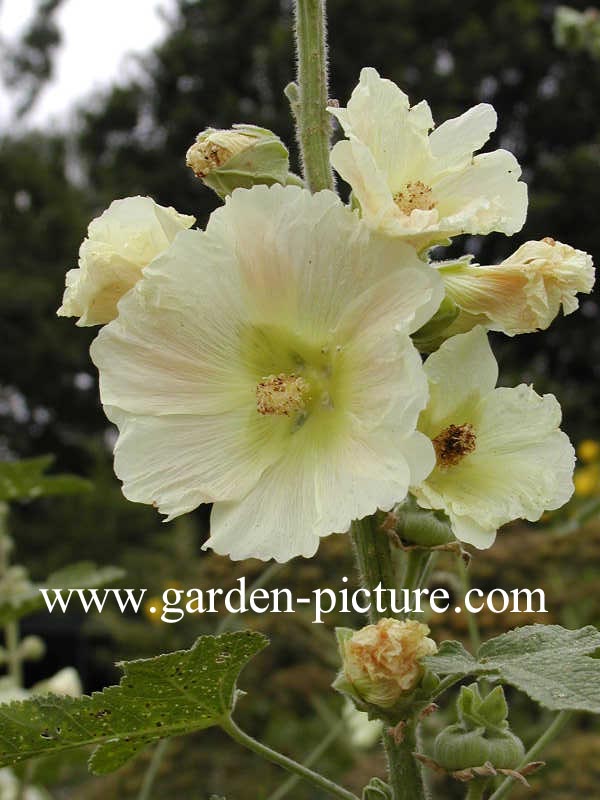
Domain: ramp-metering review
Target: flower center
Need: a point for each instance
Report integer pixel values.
(453, 444)
(282, 394)
(415, 195)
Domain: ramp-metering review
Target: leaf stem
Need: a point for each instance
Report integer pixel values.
(240, 736)
(312, 118)
(310, 759)
(549, 735)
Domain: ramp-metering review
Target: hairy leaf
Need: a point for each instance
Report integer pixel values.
(25, 480)
(551, 664)
(157, 697)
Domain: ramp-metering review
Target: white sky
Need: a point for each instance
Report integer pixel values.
(98, 37)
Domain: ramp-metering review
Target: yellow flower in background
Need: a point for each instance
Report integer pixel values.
(588, 451)
(500, 453)
(522, 294)
(587, 481)
(153, 608)
(266, 366)
(120, 243)
(425, 186)
(382, 662)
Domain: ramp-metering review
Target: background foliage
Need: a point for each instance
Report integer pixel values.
(222, 62)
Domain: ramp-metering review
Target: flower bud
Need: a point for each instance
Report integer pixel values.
(522, 294)
(577, 30)
(65, 682)
(382, 662)
(32, 648)
(120, 243)
(240, 157)
(481, 735)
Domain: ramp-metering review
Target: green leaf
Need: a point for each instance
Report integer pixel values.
(551, 664)
(27, 600)
(25, 480)
(157, 697)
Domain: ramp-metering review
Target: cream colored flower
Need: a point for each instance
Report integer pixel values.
(525, 292)
(265, 366)
(419, 185)
(500, 453)
(120, 243)
(382, 662)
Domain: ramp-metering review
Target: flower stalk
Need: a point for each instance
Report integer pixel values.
(372, 549)
(313, 121)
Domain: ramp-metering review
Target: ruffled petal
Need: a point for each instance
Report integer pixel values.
(177, 462)
(460, 373)
(455, 141)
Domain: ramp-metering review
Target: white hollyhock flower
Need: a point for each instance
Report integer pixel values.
(500, 453)
(525, 292)
(120, 243)
(265, 366)
(420, 185)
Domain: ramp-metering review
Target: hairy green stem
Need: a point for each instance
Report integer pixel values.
(319, 781)
(372, 549)
(532, 754)
(374, 559)
(312, 118)
(476, 789)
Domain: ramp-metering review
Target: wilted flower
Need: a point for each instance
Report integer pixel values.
(120, 243)
(525, 292)
(382, 662)
(265, 366)
(500, 453)
(426, 187)
(240, 157)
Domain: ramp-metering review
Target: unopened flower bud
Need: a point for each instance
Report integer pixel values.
(120, 243)
(482, 734)
(65, 682)
(522, 294)
(32, 648)
(382, 662)
(240, 157)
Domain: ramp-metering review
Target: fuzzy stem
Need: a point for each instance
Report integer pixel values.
(312, 118)
(372, 549)
(267, 753)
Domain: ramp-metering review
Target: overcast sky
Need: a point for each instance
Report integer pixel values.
(98, 36)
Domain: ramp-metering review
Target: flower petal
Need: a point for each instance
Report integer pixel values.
(460, 372)
(455, 140)
(177, 462)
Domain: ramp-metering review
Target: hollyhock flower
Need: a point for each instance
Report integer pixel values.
(382, 662)
(525, 292)
(500, 454)
(265, 366)
(425, 186)
(120, 243)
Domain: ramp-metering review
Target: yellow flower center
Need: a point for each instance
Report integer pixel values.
(415, 195)
(453, 444)
(282, 394)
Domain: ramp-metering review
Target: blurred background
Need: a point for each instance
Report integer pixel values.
(100, 100)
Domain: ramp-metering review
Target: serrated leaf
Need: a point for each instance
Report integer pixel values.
(157, 697)
(83, 575)
(551, 664)
(25, 480)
